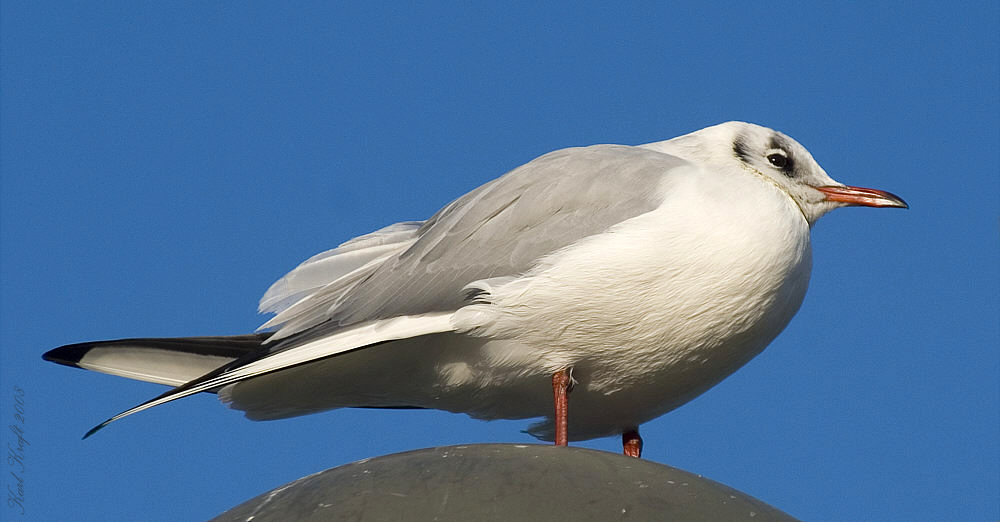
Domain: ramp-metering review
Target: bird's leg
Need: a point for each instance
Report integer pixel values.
(562, 383)
(632, 443)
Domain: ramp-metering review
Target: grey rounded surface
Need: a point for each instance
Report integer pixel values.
(503, 482)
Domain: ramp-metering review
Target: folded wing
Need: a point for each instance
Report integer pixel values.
(407, 280)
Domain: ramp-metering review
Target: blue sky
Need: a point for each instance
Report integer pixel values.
(163, 163)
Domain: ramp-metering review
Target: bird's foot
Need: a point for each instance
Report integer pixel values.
(632, 443)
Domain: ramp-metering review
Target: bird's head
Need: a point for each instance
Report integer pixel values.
(780, 160)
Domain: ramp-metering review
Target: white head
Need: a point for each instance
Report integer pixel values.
(778, 159)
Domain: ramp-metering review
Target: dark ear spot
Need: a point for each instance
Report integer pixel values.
(741, 149)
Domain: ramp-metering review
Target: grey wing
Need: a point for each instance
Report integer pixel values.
(340, 265)
(404, 280)
(499, 229)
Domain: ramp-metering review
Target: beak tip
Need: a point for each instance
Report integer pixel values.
(864, 197)
(894, 201)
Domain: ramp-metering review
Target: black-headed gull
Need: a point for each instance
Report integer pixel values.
(638, 276)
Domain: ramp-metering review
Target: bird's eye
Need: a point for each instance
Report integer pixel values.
(778, 160)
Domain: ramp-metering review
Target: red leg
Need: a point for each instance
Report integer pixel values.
(632, 443)
(560, 392)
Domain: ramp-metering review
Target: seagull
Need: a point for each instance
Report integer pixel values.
(630, 278)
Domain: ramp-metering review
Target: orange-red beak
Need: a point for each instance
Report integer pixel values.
(864, 197)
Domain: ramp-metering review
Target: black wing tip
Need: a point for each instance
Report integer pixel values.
(232, 346)
(95, 429)
(68, 355)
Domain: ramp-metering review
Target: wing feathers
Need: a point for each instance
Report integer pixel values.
(170, 361)
(499, 229)
(352, 338)
(322, 269)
